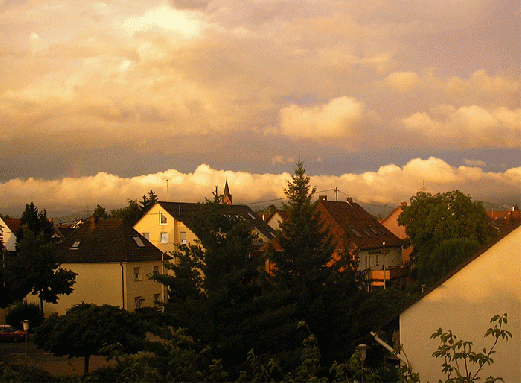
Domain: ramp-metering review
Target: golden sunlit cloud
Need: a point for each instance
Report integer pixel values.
(338, 118)
(390, 184)
(165, 18)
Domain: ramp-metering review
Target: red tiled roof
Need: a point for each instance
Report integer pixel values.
(108, 240)
(361, 228)
(13, 224)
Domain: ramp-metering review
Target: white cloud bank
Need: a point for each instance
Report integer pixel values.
(390, 184)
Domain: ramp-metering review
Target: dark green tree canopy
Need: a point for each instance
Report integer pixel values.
(36, 269)
(87, 328)
(322, 293)
(438, 224)
(35, 221)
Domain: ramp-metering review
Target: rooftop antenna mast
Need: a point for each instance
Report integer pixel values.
(336, 193)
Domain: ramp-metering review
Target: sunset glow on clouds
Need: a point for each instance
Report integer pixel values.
(118, 92)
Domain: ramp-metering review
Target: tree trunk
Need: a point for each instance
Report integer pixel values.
(41, 307)
(86, 365)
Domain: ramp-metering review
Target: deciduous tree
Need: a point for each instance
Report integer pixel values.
(443, 230)
(87, 328)
(36, 269)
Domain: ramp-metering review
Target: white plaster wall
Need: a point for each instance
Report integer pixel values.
(8, 237)
(489, 285)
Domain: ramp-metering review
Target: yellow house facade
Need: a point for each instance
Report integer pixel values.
(162, 225)
(113, 263)
(168, 224)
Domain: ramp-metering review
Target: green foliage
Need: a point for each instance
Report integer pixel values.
(129, 214)
(23, 373)
(36, 222)
(86, 329)
(459, 357)
(435, 223)
(100, 212)
(213, 294)
(36, 269)
(134, 210)
(24, 311)
(326, 295)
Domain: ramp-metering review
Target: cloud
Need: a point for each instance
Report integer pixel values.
(403, 81)
(338, 118)
(468, 127)
(390, 184)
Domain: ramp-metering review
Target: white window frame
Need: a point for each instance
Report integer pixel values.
(181, 235)
(163, 237)
(161, 216)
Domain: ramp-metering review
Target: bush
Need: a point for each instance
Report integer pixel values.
(23, 311)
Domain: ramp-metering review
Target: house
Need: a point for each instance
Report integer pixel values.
(504, 221)
(169, 224)
(487, 284)
(358, 234)
(276, 218)
(391, 223)
(10, 227)
(113, 263)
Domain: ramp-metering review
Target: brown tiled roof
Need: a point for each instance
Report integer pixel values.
(109, 241)
(362, 229)
(13, 224)
(186, 213)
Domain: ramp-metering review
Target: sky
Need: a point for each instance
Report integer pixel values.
(103, 101)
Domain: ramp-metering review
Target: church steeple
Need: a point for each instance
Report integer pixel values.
(227, 198)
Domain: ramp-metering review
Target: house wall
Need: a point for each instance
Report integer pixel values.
(8, 237)
(101, 283)
(152, 225)
(142, 287)
(377, 259)
(489, 285)
(391, 224)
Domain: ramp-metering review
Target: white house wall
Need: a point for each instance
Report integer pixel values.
(489, 285)
(8, 237)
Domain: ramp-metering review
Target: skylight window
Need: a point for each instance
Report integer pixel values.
(139, 242)
(356, 233)
(75, 245)
(251, 215)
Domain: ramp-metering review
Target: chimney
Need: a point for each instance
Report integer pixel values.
(322, 198)
(349, 200)
(92, 223)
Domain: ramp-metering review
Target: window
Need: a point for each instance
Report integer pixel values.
(147, 236)
(139, 242)
(183, 237)
(75, 245)
(137, 273)
(138, 302)
(356, 233)
(157, 299)
(163, 219)
(164, 237)
(156, 269)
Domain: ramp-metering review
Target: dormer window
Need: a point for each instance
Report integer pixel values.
(139, 242)
(163, 219)
(75, 245)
